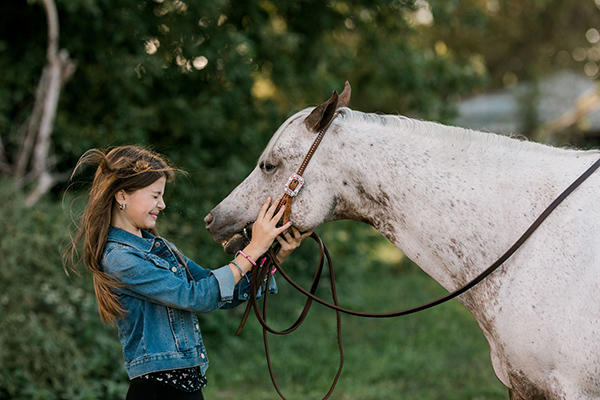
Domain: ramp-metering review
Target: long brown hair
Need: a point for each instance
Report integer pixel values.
(127, 168)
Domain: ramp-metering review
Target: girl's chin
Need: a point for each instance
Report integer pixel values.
(149, 225)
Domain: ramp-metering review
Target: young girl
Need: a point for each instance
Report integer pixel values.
(145, 285)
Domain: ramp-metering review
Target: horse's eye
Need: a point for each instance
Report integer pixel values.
(267, 167)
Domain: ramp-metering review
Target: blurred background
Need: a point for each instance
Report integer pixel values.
(207, 82)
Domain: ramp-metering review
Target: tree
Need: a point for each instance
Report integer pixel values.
(201, 79)
(33, 160)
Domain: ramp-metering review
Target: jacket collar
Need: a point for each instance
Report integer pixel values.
(121, 236)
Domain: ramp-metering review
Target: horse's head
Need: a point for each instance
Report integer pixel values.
(314, 205)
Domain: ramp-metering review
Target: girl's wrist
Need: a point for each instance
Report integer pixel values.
(252, 252)
(240, 270)
(251, 260)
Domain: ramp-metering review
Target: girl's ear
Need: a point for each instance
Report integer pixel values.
(120, 196)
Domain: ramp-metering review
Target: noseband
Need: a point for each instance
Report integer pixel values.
(261, 273)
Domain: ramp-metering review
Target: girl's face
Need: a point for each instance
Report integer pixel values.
(141, 207)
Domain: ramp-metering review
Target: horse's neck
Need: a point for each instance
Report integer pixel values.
(450, 202)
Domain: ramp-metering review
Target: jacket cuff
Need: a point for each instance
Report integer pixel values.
(226, 282)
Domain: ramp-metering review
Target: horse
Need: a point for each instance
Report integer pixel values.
(453, 200)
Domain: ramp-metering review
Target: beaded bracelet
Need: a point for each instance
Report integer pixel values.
(239, 269)
(246, 256)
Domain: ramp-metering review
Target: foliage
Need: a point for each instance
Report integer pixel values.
(53, 344)
(514, 40)
(208, 82)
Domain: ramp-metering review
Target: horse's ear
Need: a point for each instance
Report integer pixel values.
(321, 116)
(345, 96)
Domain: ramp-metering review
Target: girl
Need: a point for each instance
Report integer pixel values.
(145, 285)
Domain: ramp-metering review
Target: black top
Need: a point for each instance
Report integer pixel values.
(185, 379)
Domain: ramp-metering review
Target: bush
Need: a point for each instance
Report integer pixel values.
(53, 343)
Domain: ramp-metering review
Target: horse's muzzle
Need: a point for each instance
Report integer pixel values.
(233, 243)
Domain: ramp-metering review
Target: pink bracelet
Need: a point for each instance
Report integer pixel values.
(247, 257)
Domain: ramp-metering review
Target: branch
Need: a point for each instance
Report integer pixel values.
(31, 130)
(45, 182)
(58, 70)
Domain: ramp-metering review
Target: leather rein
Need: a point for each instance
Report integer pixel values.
(261, 273)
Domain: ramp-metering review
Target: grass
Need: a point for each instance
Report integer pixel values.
(436, 354)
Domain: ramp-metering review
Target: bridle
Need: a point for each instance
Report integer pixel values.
(261, 273)
(296, 181)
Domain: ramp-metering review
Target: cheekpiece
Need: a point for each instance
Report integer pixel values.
(299, 183)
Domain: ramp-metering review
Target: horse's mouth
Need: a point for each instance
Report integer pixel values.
(234, 244)
(238, 241)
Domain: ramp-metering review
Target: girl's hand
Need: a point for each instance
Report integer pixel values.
(289, 241)
(265, 228)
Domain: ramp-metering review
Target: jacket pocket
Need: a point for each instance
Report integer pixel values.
(157, 261)
(185, 329)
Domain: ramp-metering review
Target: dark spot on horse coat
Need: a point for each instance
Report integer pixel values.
(456, 249)
(524, 389)
(380, 199)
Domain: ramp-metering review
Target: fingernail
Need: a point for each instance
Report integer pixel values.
(290, 222)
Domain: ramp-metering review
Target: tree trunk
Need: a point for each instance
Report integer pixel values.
(35, 151)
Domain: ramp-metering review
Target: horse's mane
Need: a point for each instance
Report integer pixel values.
(426, 131)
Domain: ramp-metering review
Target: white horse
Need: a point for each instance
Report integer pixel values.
(453, 200)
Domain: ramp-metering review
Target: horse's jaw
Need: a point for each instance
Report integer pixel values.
(234, 244)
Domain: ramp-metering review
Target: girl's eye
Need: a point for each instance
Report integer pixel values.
(267, 167)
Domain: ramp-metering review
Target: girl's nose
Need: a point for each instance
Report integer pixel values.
(161, 205)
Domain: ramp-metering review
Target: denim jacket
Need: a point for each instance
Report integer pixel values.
(160, 330)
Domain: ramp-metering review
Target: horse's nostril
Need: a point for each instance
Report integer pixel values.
(208, 219)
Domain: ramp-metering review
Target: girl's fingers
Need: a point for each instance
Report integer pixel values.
(282, 241)
(264, 208)
(283, 228)
(296, 236)
(280, 213)
(295, 233)
(271, 209)
(306, 234)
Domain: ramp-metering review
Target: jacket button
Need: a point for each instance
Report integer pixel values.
(156, 244)
(196, 327)
(174, 269)
(202, 355)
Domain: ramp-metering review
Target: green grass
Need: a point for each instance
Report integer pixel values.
(436, 354)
